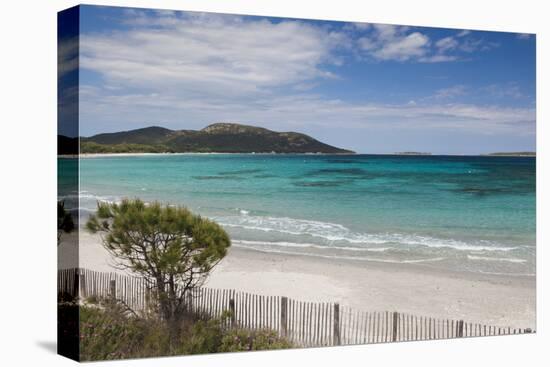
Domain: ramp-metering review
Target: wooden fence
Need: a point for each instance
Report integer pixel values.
(303, 323)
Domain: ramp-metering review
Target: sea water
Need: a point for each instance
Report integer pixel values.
(472, 214)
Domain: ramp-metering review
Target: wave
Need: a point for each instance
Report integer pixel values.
(361, 258)
(269, 246)
(256, 230)
(484, 258)
(334, 233)
(307, 245)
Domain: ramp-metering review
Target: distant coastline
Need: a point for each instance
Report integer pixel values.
(167, 154)
(216, 138)
(512, 154)
(413, 153)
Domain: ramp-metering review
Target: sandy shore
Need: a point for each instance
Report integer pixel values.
(506, 301)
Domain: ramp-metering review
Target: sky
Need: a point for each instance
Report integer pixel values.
(372, 88)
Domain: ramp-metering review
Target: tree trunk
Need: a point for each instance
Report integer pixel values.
(170, 316)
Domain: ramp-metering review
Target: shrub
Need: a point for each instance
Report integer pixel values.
(204, 336)
(238, 340)
(109, 331)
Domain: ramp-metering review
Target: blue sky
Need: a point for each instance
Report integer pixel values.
(368, 87)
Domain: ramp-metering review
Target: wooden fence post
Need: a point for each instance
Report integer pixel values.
(83, 283)
(336, 324)
(395, 321)
(232, 310)
(284, 307)
(460, 329)
(75, 282)
(112, 288)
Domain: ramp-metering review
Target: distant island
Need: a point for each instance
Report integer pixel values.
(412, 153)
(215, 138)
(513, 154)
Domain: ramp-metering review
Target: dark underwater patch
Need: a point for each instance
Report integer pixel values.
(240, 172)
(333, 183)
(238, 178)
(480, 191)
(345, 161)
(342, 171)
(353, 172)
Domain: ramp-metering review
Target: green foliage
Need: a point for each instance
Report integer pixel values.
(160, 239)
(108, 332)
(89, 147)
(169, 246)
(239, 340)
(204, 336)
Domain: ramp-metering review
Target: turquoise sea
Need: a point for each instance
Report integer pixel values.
(460, 213)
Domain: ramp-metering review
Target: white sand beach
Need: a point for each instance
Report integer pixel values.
(499, 300)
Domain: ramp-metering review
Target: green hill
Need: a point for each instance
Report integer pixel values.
(215, 138)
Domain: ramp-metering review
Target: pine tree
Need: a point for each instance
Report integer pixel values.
(172, 248)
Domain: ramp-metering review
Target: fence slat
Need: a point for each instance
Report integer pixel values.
(303, 323)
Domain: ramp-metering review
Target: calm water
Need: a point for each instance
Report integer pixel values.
(461, 213)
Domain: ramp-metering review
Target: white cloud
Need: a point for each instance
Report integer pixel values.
(523, 36)
(404, 48)
(399, 43)
(187, 72)
(367, 44)
(472, 44)
(67, 55)
(437, 58)
(219, 54)
(504, 90)
(451, 92)
(446, 44)
(299, 111)
(389, 32)
(463, 33)
(390, 42)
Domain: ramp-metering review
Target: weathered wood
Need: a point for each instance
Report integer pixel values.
(263, 311)
(364, 334)
(303, 323)
(232, 311)
(460, 332)
(289, 319)
(394, 324)
(271, 307)
(284, 315)
(311, 328)
(376, 327)
(112, 289)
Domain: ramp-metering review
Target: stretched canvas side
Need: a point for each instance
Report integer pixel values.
(68, 330)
